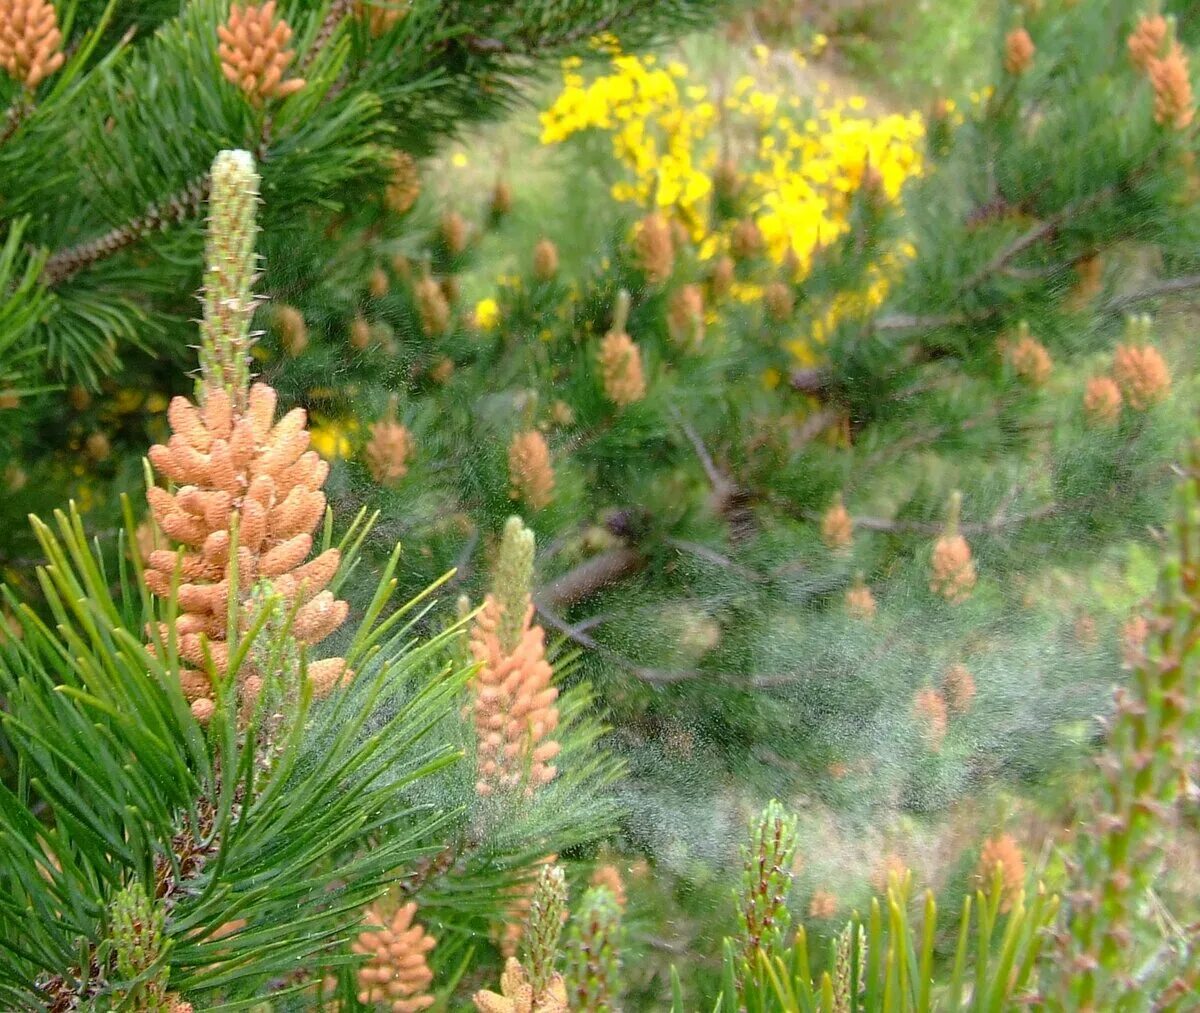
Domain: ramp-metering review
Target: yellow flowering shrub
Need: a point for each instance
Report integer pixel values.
(799, 163)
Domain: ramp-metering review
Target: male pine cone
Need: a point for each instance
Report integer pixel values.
(228, 463)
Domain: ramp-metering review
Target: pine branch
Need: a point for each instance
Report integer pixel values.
(587, 578)
(1169, 286)
(66, 263)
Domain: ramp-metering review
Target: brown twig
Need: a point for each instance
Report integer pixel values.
(1169, 286)
(70, 261)
(589, 577)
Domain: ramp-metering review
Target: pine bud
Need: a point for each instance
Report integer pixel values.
(1003, 851)
(502, 199)
(98, 447)
(747, 241)
(930, 711)
(230, 270)
(79, 398)
(293, 332)
(621, 360)
(547, 911)
(360, 333)
(763, 915)
(1018, 51)
(654, 249)
(397, 973)
(378, 283)
(15, 478)
(1146, 41)
(1141, 374)
(388, 450)
(860, 602)
(455, 232)
(30, 41)
(530, 473)
(9, 399)
(953, 570)
(958, 688)
(1030, 360)
(1171, 80)
(545, 260)
(1102, 401)
(823, 905)
(136, 933)
(594, 954)
(780, 301)
(837, 526)
(405, 185)
(721, 278)
(254, 54)
(432, 306)
(685, 318)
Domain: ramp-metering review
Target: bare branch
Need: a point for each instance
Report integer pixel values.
(1169, 286)
(589, 577)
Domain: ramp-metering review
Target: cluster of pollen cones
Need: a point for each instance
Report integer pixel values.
(226, 462)
(397, 973)
(515, 708)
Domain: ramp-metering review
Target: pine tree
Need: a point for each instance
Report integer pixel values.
(202, 810)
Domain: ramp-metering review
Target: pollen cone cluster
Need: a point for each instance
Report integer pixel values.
(1003, 851)
(397, 973)
(860, 602)
(545, 260)
(432, 306)
(405, 186)
(1102, 401)
(953, 569)
(515, 712)
(621, 361)
(388, 450)
(226, 463)
(654, 248)
(516, 994)
(1018, 51)
(746, 242)
(958, 688)
(1171, 81)
(1141, 374)
(685, 318)
(293, 331)
(530, 473)
(254, 54)
(30, 40)
(824, 904)
(837, 526)
(1146, 41)
(1029, 358)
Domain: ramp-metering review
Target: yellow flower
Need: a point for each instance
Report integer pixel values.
(458, 160)
(487, 313)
